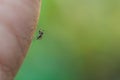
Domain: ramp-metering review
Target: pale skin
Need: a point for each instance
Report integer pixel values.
(18, 19)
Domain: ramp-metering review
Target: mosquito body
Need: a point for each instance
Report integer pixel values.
(40, 35)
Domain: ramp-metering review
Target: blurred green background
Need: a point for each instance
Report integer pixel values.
(81, 42)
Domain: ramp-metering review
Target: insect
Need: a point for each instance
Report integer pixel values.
(40, 35)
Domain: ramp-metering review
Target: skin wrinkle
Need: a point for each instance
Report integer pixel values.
(22, 27)
(29, 32)
(3, 65)
(7, 69)
(24, 37)
(26, 40)
(13, 32)
(17, 61)
(19, 58)
(17, 38)
(22, 16)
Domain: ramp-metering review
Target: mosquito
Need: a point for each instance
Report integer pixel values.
(40, 34)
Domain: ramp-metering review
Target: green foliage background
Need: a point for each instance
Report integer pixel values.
(81, 42)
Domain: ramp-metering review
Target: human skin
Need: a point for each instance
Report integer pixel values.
(18, 19)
